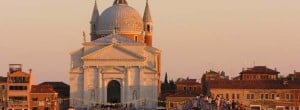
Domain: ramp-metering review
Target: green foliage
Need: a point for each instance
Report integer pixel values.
(206, 90)
(168, 85)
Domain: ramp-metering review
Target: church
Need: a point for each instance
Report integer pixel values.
(118, 65)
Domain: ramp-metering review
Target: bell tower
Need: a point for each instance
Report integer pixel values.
(94, 22)
(148, 25)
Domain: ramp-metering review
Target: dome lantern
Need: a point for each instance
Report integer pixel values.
(120, 2)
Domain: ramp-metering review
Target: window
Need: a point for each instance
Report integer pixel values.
(17, 87)
(46, 108)
(34, 99)
(184, 88)
(148, 28)
(47, 99)
(248, 96)
(190, 88)
(136, 38)
(20, 98)
(290, 96)
(233, 96)
(20, 79)
(267, 96)
(227, 96)
(237, 96)
(261, 96)
(273, 96)
(3, 87)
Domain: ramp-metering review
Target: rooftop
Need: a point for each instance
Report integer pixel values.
(253, 84)
(188, 82)
(42, 89)
(259, 70)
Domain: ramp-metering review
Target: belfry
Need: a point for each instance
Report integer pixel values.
(118, 65)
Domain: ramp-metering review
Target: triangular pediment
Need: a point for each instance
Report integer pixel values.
(113, 70)
(150, 70)
(113, 52)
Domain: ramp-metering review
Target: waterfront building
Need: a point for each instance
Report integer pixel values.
(43, 97)
(18, 88)
(258, 94)
(119, 64)
(259, 73)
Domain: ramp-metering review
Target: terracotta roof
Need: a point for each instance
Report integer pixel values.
(55, 84)
(19, 73)
(42, 89)
(3, 79)
(211, 72)
(188, 82)
(259, 70)
(251, 84)
(61, 88)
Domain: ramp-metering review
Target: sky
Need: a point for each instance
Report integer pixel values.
(195, 35)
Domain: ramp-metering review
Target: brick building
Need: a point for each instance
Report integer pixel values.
(259, 94)
(3, 91)
(63, 91)
(18, 93)
(186, 91)
(18, 88)
(43, 97)
(259, 73)
(213, 75)
(295, 76)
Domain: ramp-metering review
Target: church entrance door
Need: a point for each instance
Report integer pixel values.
(114, 92)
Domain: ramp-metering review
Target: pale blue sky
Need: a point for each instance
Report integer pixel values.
(194, 35)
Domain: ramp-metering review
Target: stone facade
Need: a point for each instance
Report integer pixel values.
(117, 65)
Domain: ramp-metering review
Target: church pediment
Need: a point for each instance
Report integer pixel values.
(150, 70)
(113, 52)
(113, 70)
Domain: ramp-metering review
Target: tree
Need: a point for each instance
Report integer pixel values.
(172, 85)
(206, 89)
(166, 78)
(165, 85)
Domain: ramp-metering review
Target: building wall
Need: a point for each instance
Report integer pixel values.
(266, 98)
(3, 95)
(18, 103)
(195, 88)
(135, 84)
(44, 101)
(259, 77)
(177, 103)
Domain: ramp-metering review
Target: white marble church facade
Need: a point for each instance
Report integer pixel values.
(115, 67)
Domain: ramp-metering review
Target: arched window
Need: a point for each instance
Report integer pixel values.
(148, 28)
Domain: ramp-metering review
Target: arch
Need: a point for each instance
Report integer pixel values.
(114, 92)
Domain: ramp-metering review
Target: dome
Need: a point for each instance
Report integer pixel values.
(121, 16)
